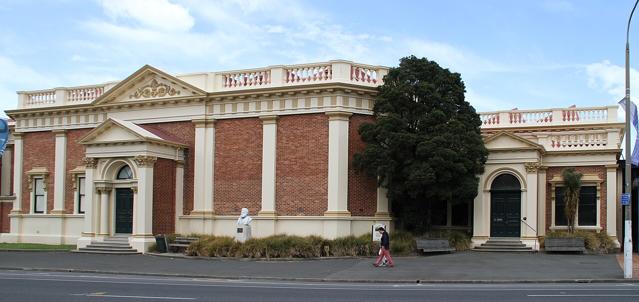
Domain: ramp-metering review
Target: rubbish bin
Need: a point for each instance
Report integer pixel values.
(160, 243)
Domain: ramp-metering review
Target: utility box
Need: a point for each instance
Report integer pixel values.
(242, 232)
(375, 234)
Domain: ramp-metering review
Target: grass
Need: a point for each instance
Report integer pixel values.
(35, 246)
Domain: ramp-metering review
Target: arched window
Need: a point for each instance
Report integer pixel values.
(125, 173)
(505, 182)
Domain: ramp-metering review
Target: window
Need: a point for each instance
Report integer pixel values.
(587, 209)
(38, 195)
(125, 173)
(81, 195)
(460, 214)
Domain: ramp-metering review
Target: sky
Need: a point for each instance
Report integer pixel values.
(524, 54)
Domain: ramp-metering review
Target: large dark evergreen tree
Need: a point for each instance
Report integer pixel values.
(426, 143)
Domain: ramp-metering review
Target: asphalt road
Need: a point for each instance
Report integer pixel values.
(50, 286)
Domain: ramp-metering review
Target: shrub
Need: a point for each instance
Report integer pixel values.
(594, 242)
(457, 239)
(285, 246)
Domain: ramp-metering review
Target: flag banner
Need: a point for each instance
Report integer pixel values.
(634, 159)
(4, 135)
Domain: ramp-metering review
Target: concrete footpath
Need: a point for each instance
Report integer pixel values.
(466, 267)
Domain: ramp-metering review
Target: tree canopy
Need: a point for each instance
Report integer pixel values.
(425, 143)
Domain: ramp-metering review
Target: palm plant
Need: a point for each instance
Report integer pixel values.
(572, 184)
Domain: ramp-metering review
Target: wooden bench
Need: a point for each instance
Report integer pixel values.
(564, 245)
(181, 243)
(433, 245)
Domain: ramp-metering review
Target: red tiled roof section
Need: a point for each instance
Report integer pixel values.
(164, 135)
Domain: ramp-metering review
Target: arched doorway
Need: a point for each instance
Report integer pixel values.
(124, 203)
(505, 206)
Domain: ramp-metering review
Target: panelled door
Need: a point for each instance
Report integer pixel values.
(505, 207)
(123, 211)
(505, 214)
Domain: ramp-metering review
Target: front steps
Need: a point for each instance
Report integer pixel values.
(116, 245)
(503, 245)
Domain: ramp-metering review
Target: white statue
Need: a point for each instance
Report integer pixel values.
(244, 219)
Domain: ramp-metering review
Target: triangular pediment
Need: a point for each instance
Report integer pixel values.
(148, 83)
(114, 131)
(508, 141)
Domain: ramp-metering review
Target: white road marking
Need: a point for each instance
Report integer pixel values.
(291, 285)
(583, 295)
(131, 297)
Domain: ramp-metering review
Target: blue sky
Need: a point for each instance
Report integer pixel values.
(525, 54)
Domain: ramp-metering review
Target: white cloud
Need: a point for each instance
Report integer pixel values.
(605, 76)
(158, 14)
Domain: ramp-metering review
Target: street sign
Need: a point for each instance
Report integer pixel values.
(625, 199)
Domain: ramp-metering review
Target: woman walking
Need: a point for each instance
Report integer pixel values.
(384, 249)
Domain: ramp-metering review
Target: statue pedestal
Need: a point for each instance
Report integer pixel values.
(242, 232)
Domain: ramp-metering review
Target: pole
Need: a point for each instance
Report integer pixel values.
(627, 243)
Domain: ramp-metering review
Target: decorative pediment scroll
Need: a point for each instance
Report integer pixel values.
(154, 90)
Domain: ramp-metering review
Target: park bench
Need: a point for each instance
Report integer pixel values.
(564, 245)
(433, 245)
(181, 243)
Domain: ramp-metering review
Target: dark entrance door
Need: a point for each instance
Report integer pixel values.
(505, 207)
(123, 211)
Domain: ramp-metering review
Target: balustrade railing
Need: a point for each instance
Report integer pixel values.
(40, 98)
(558, 116)
(247, 79)
(309, 74)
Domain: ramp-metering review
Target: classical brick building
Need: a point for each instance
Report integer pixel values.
(157, 153)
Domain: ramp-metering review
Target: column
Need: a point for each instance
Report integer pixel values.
(17, 174)
(611, 202)
(338, 163)
(143, 204)
(60, 171)
(269, 152)
(104, 193)
(6, 172)
(90, 208)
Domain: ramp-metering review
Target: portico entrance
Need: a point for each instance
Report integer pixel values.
(505, 207)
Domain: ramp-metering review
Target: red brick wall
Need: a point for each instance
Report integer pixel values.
(164, 196)
(39, 151)
(600, 171)
(302, 165)
(5, 209)
(238, 166)
(184, 132)
(362, 189)
(75, 156)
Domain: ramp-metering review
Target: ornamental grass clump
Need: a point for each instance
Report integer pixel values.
(572, 183)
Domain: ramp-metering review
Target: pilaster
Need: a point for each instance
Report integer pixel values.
(611, 202)
(269, 151)
(529, 228)
(6, 172)
(204, 167)
(142, 236)
(90, 208)
(338, 163)
(60, 171)
(17, 172)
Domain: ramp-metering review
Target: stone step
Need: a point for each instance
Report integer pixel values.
(491, 242)
(102, 243)
(503, 245)
(528, 250)
(83, 250)
(117, 239)
(108, 248)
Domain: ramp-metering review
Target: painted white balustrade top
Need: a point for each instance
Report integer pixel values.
(549, 117)
(260, 78)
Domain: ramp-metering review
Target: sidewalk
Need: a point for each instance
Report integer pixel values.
(635, 264)
(456, 267)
